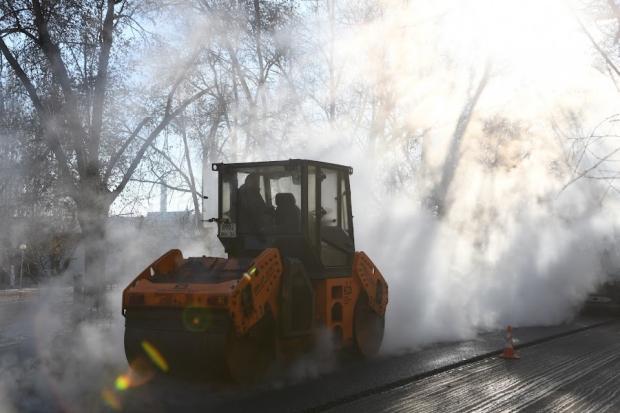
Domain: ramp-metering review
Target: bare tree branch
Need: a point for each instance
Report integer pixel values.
(162, 183)
(153, 135)
(52, 52)
(51, 137)
(116, 156)
(598, 48)
(101, 83)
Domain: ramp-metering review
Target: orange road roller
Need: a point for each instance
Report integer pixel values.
(292, 270)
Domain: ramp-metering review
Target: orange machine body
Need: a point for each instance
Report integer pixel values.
(335, 298)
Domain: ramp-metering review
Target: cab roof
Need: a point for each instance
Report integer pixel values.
(285, 163)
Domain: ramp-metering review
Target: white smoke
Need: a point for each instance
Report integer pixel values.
(516, 245)
(514, 248)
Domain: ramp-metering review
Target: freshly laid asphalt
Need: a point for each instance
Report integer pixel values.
(359, 380)
(576, 373)
(312, 387)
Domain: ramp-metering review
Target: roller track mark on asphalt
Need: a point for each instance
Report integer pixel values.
(536, 387)
(576, 398)
(612, 397)
(449, 381)
(476, 377)
(604, 403)
(351, 397)
(562, 367)
(535, 383)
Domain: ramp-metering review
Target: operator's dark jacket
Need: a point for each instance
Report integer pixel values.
(252, 208)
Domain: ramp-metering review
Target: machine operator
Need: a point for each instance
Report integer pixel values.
(254, 212)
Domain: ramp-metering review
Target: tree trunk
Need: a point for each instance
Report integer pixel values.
(438, 201)
(93, 209)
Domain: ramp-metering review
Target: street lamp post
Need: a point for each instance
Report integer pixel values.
(21, 270)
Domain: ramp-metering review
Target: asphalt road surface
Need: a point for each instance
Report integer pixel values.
(46, 367)
(574, 373)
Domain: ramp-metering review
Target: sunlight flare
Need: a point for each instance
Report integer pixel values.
(155, 356)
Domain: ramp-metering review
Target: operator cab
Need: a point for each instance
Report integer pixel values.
(301, 207)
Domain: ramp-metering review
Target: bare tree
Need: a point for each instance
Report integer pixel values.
(593, 155)
(67, 55)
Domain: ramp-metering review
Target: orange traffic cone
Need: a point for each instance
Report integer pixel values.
(509, 350)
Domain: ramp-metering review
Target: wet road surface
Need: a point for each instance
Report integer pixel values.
(577, 373)
(46, 373)
(359, 380)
